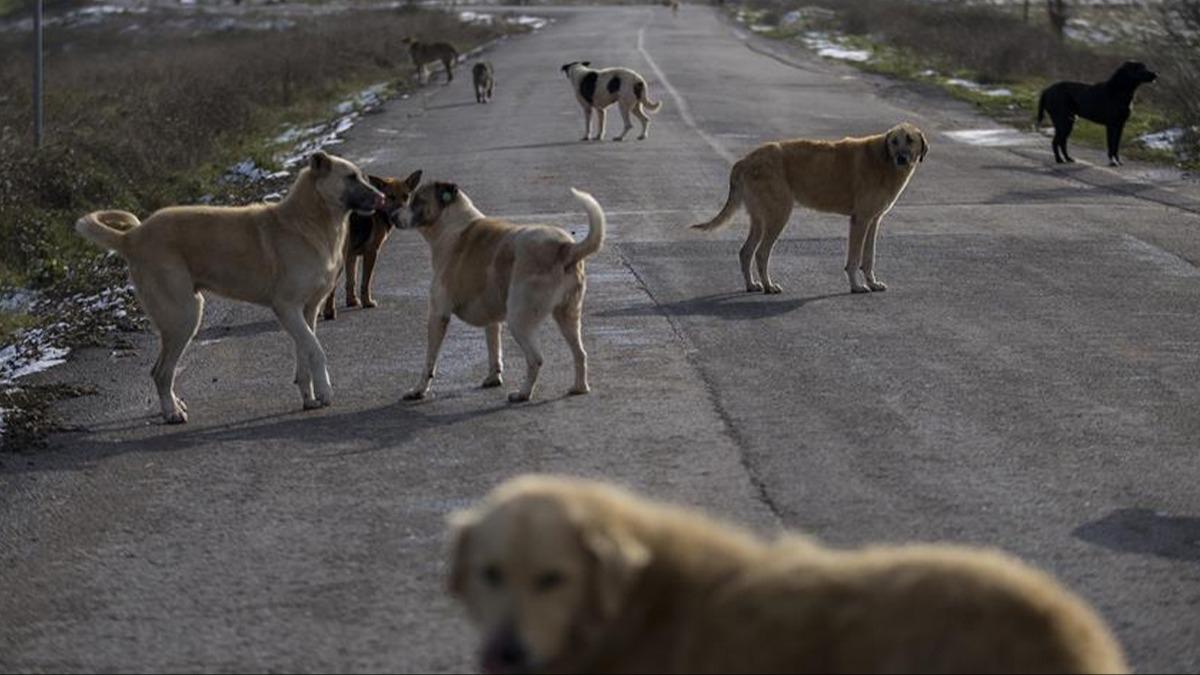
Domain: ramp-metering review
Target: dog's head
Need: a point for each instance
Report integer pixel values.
(541, 572)
(1132, 74)
(342, 185)
(905, 145)
(426, 206)
(568, 67)
(396, 192)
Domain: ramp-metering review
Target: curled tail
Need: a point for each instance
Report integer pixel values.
(732, 202)
(1041, 108)
(639, 90)
(595, 236)
(97, 227)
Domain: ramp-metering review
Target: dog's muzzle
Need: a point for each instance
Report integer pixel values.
(400, 218)
(903, 160)
(504, 653)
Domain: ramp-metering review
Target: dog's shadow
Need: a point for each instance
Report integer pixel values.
(734, 306)
(1145, 532)
(535, 146)
(447, 106)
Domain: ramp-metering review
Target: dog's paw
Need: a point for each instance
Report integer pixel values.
(878, 286)
(369, 303)
(754, 288)
(492, 382)
(329, 316)
(518, 397)
(352, 302)
(585, 139)
(579, 391)
(772, 289)
(415, 395)
(177, 417)
(643, 137)
(859, 289)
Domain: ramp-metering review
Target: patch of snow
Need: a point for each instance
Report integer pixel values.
(1163, 140)
(533, 22)
(993, 138)
(248, 171)
(828, 46)
(17, 300)
(761, 28)
(928, 72)
(975, 86)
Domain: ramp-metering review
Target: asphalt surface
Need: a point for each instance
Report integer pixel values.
(1029, 381)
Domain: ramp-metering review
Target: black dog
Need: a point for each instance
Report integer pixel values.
(1108, 103)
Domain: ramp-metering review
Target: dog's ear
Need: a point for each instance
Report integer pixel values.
(320, 162)
(567, 66)
(413, 180)
(377, 182)
(447, 193)
(461, 525)
(924, 146)
(618, 559)
(586, 64)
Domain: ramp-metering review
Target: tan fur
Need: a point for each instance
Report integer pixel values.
(572, 576)
(284, 256)
(856, 177)
(425, 53)
(626, 97)
(484, 80)
(487, 271)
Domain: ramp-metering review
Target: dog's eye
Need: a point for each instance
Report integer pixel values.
(548, 581)
(895, 141)
(492, 576)
(908, 138)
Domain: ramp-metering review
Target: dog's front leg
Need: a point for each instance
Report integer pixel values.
(351, 267)
(312, 375)
(854, 253)
(1114, 143)
(868, 260)
(436, 333)
(495, 356)
(587, 122)
(601, 123)
(369, 259)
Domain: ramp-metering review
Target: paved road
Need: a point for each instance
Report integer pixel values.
(1029, 381)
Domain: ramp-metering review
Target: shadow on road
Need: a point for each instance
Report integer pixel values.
(737, 306)
(239, 330)
(1146, 532)
(533, 146)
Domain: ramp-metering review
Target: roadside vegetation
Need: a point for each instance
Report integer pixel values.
(1000, 56)
(146, 110)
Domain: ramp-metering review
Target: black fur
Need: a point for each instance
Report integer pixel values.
(587, 87)
(614, 85)
(639, 90)
(361, 228)
(1108, 103)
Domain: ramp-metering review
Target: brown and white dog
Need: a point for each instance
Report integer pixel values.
(284, 256)
(488, 271)
(857, 177)
(365, 239)
(571, 576)
(598, 89)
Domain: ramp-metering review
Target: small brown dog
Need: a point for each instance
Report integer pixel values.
(365, 238)
(572, 576)
(857, 177)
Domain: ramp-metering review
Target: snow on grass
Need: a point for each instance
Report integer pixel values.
(831, 47)
(1168, 139)
(975, 86)
(992, 138)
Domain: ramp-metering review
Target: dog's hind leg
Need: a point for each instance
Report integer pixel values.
(1062, 131)
(436, 332)
(567, 317)
(1114, 143)
(175, 308)
(524, 316)
(587, 122)
(746, 255)
(311, 371)
(495, 376)
(625, 119)
(641, 115)
(854, 252)
(868, 261)
(772, 225)
(351, 267)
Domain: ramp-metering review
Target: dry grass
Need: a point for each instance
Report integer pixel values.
(142, 119)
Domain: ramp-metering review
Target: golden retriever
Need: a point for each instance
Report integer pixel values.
(857, 177)
(572, 576)
(285, 256)
(487, 271)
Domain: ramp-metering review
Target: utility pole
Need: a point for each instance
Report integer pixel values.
(38, 108)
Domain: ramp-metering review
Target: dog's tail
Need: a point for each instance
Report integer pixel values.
(98, 227)
(732, 202)
(639, 90)
(1041, 108)
(596, 224)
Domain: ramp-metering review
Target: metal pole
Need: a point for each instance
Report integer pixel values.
(38, 108)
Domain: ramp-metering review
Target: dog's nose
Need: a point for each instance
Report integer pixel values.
(902, 160)
(380, 201)
(505, 653)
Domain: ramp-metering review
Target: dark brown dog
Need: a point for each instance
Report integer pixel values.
(365, 238)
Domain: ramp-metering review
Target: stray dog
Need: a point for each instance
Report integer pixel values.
(365, 239)
(425, 53)
(1109, 103)
(598, 89)
(485, 81)
(857, 177)
(572, 576)
(487, 271)
(284, 256)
